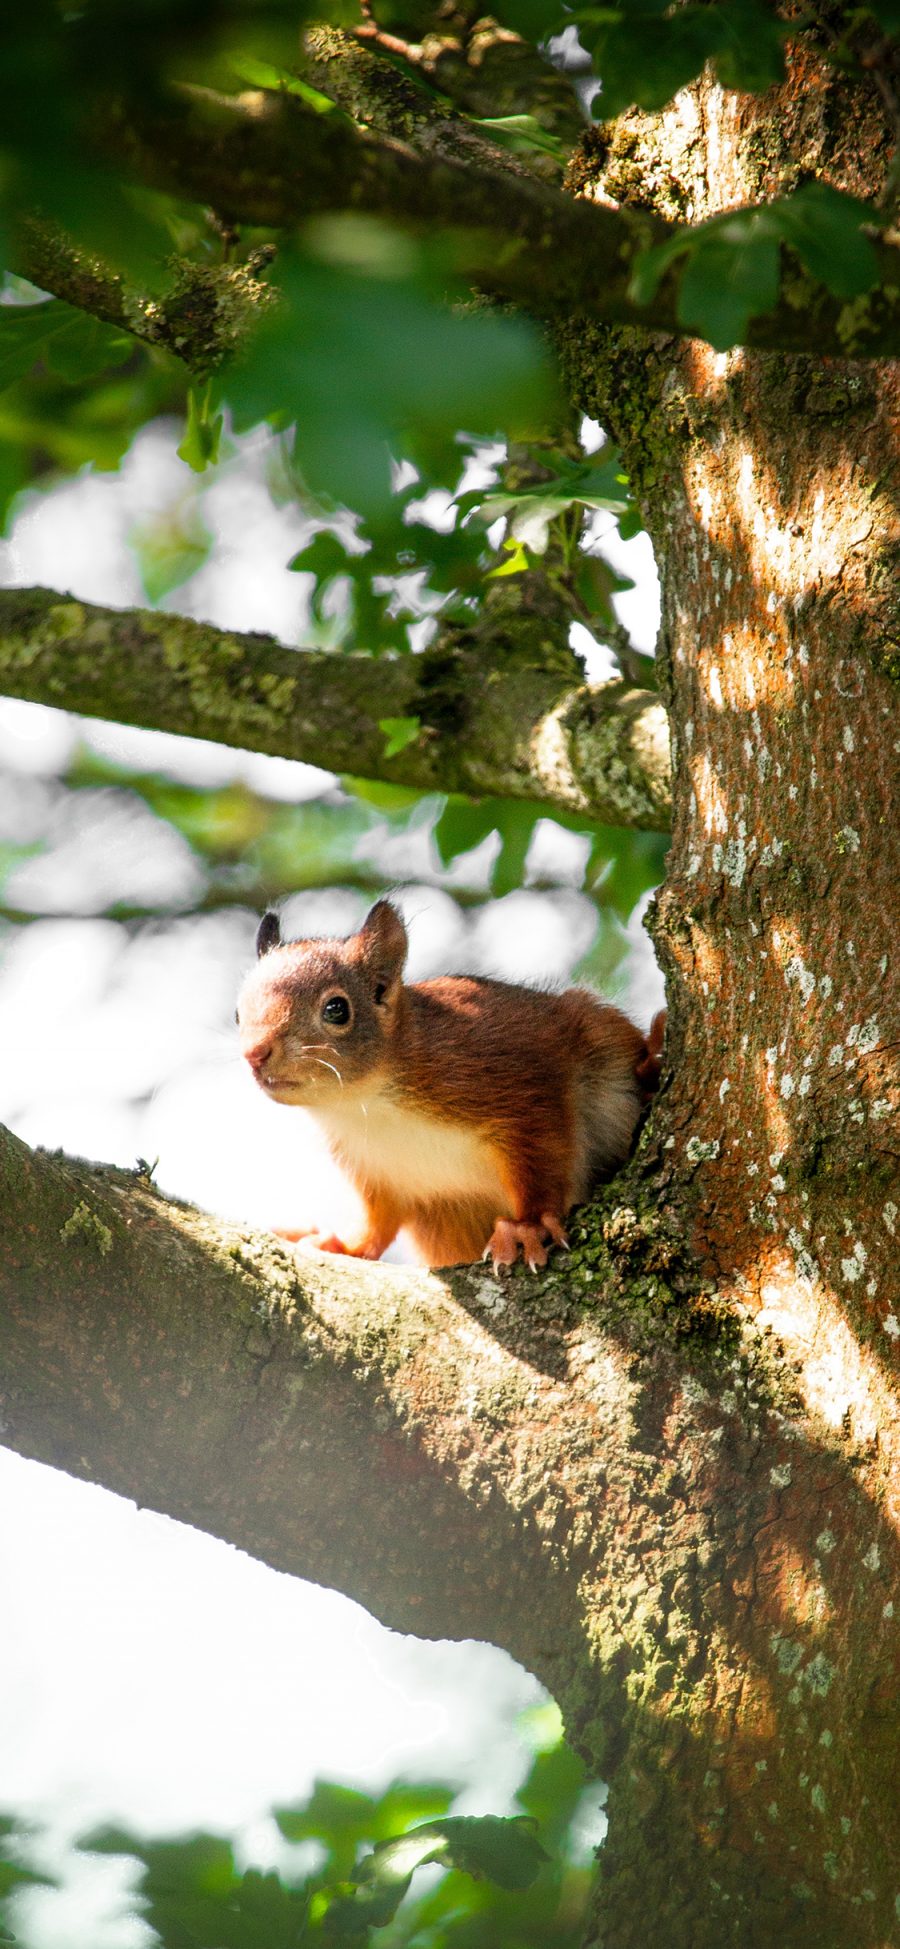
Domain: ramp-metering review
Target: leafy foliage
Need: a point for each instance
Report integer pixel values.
(170, 547)
(71, 344)
(362, 362)
(376, 583)
(732, 263)
(73, 391)
(64, 67)
(252, 850)
(645, 50)
(368, 357)
(383, 375)
(194, 1893)
(398, 733)
(564, 483)
(203, 434)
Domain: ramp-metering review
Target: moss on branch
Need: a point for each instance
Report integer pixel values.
(381, 96)
(201, 319)
(522, 730)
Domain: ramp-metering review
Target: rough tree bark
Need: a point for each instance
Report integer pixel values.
(667, 1473)
(770, 486)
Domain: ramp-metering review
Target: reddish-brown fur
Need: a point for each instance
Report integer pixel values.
(470, 1113)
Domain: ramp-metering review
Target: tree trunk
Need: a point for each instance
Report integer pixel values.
(737, 1812)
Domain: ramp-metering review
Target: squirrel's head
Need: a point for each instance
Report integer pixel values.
(316, 1017)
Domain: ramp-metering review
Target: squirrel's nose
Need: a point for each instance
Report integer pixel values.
(257, 1053)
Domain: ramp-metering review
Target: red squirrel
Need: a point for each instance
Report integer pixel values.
(471, 1114)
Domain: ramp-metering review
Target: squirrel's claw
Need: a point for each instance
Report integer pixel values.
(552, 1225)
(508, 1235)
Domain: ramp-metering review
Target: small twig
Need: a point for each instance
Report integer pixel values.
(392, 44)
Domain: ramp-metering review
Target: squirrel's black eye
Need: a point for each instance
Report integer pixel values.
(336, 1009)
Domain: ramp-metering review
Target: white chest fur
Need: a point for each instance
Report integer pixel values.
(379, 1141)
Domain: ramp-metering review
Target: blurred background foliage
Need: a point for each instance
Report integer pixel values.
(250, 850)
(345, 1870)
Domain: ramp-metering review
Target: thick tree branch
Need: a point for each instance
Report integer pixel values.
(502, 1462)
(270, 160)
(207, 1372)
(518, 731)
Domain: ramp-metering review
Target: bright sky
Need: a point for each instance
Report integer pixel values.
(147, 1672)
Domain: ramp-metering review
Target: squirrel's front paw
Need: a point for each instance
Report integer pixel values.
(503, 1245)
(310, 1240)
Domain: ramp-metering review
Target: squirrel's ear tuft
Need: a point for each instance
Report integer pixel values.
(268, 933)
(383, 944)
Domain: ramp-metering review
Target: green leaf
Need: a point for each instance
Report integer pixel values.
(330, 1810)
(643, 61)
(823, 226)
(599, 484)
(14, 473)
(365, 365)
(631, 524)
(515, 822)
(535, 20)
(749, 45)
(727, 281)
(624, 865)
(261, 74)
(596, 583)
(553, 1788)
(645, 52)
(520, 132)
(517, 560)
(733, 272)
(395, 801)
(506, 1852)
(324, 557)
(170, 547)
(462, 826)
(70, 343)
(465, 823)
(200, 446)
(888, 13)
(13, 1876)
(85, 346)
(398, 733)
